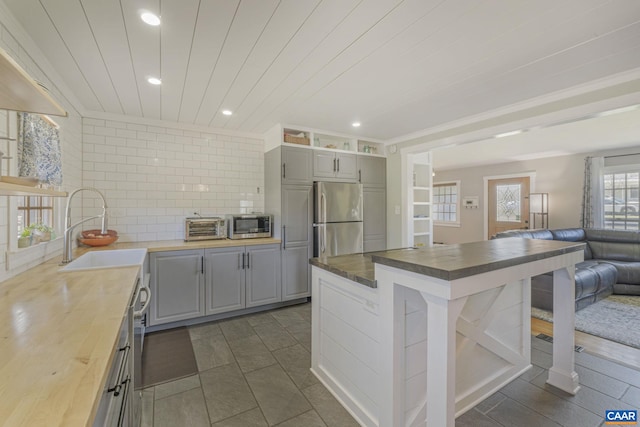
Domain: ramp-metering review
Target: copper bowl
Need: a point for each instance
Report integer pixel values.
(96, 238)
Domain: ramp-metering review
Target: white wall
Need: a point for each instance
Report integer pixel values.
(155, 176)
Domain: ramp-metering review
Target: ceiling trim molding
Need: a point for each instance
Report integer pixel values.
(575, 102)
(172, 125)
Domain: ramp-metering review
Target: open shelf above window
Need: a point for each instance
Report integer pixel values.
(7, 189)
(19, 92)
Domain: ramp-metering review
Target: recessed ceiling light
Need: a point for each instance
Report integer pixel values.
(150, 18)
(514, 132)
(227, 112)
(355, 124)
(154, 80)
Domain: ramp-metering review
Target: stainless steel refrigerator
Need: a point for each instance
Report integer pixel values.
(337, 217)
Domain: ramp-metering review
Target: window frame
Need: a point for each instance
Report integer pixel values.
(620, 169)
(444, 223)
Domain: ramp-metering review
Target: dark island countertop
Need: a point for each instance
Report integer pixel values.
(447, 262)
(356, 267)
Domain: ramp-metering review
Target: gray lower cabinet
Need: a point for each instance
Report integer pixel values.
(224, 279)
(295, 271)
(193, 283)
(374, 219)
(262, 275)
(177, 286)
(241, 277)
(297, 243)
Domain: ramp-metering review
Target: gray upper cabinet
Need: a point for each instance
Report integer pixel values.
(224, 280)
(324, 164)
(372, 171)
(328, 165)
(297, 165)
(177, 286)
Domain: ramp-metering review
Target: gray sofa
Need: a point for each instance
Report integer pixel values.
(611, 264)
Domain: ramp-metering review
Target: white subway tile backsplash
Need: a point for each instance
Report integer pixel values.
(126, 133)
(136, 127)
(157, 176)
(92, 139)
(115, 124)
(92, 122)
(99, 130)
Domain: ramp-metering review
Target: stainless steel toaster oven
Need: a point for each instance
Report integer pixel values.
(205, 228)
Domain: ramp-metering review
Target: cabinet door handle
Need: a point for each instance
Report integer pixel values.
(284, 170)
(360, 175)
(243, 261)
(202, 266)
(338, 165)
(121, 371)
(248, 265)
(334, 165)
(284, 237)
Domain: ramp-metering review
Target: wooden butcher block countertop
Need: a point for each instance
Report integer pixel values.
(58, 333)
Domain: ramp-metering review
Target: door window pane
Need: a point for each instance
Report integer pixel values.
(508, 203)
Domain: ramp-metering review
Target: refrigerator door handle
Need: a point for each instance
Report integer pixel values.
(323, 208)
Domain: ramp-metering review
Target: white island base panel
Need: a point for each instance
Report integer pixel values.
(370, 346)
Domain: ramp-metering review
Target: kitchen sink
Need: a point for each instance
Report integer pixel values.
(107, 259)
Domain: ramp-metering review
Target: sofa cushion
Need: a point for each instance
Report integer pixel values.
(594, 281)
(628, 272)
(573, 235)
(525, 234)
(619, 245)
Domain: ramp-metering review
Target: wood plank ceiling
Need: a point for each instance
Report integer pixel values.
(397, 66)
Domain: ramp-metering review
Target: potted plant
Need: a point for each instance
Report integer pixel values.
(24, 240)
(41, 232)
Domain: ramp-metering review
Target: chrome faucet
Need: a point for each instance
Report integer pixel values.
(67, 254)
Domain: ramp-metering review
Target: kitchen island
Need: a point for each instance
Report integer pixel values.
(419, 336)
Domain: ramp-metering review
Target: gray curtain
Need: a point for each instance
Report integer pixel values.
(39, 153)
(586, 216)
(592, 215)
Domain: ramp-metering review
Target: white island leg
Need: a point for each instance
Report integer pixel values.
(442, 316)
(562, 374)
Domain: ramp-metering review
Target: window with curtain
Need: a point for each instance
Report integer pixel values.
(446, 203)
(39, 156)
(39, 153)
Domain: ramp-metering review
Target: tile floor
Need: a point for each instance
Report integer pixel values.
(254, 371)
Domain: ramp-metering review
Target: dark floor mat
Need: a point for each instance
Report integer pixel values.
(168, 355)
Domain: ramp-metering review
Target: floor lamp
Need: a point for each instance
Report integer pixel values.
(539, 206)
